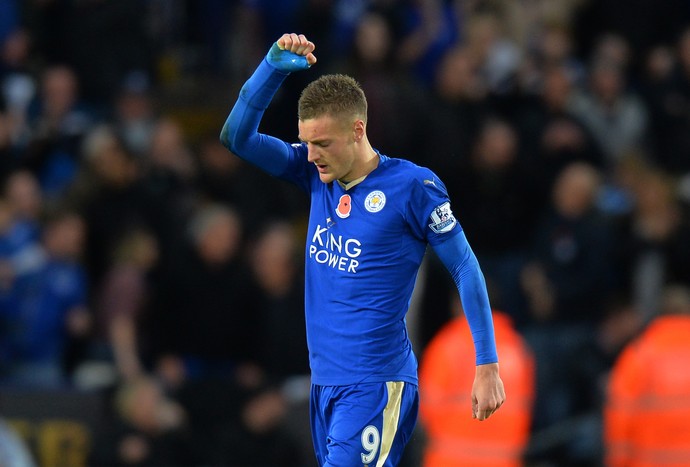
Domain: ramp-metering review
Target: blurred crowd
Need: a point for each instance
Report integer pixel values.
(140, 258)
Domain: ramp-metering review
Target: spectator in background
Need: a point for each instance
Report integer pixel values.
(551, 136)
(135, 116)
(7, 278)
(6, 222)
(21, 253)
(169, 152)
(58, 120)
(19, 242)
(7, 159)
(273, 419)
(208, 327)
(17, 84)
(616, 118)
(648, 394)
(147, 428)
(431, 28)
(659, 68)
(453, 440)
(566, 283)
(570, 275)
(497, 55)
(227, 179)
(109, 194)
(552, 47)
(659, 64)
(669, 101)
(613, 49)
(117, 190)
(48, 307)
(653, 247)
(500, 207)
(458, 106)
(206, 322)
(525, 20)
(123, 305)
(277, 271)
(167, 183)
(24, 194)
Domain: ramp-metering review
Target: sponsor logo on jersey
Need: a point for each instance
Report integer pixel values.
(442, 219)
(375, 201)
(335, 251)
(344, 206)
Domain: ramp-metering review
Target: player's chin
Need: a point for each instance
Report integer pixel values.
(326, 177)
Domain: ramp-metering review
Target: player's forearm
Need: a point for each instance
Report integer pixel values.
(461, 262)
(475, 303)
(240, 131)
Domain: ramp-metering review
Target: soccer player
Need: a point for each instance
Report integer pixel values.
(371, 219)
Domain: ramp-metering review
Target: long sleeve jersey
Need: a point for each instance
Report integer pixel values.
(364, 247)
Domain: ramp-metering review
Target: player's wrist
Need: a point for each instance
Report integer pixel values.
(285, 61)
(487, 368)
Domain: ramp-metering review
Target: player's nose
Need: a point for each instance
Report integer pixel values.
(312, 154)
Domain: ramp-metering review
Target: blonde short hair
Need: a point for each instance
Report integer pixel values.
(339, 96)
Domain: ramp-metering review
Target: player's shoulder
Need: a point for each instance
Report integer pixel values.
(410, 171)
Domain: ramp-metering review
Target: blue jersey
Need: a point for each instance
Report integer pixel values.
(36, 310)
(364, 248)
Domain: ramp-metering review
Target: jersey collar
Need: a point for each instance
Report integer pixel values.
(357, 181)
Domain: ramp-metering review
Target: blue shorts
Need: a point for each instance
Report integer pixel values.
(363, 424)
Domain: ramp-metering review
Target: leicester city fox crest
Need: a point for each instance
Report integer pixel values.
(375, 201)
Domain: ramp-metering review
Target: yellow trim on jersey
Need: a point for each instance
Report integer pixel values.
(348, 185)
(391, 418)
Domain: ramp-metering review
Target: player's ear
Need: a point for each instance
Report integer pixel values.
(358, 129)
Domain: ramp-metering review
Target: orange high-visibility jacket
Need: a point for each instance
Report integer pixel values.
(446, 375)
(647, 411)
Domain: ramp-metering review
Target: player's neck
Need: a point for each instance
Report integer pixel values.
(366, 163)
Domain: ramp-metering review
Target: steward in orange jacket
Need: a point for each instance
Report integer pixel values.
(454, 437)
(647, 411)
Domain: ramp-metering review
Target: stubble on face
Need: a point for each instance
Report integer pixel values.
(329, 145)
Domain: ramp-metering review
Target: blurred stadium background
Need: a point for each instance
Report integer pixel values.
(151, 282)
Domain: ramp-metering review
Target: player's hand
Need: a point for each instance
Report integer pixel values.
(488, 393)
(292, 52)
